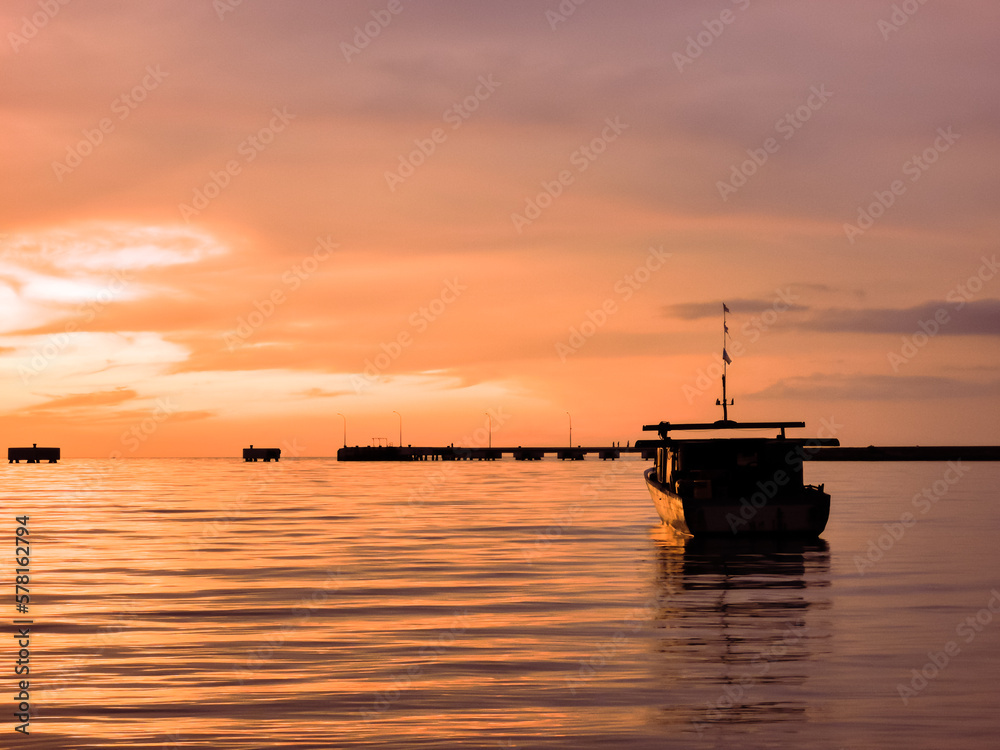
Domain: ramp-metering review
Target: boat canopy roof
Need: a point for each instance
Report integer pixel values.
(665, 428)
(670, 442)
(722, 424)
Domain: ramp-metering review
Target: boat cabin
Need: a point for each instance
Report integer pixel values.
(730, 467)
(715, 468)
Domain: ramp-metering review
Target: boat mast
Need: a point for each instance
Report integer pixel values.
(725, 361)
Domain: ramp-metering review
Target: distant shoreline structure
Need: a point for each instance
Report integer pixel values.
(454, 453)
(870, 453)
(817, 453)
(33, 455)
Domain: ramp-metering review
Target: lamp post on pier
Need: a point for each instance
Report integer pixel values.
(345, 427)
(400, 427)
(570, 429)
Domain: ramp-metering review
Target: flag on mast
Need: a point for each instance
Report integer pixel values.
(725, 332)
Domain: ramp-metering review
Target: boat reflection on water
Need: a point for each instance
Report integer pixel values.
(743, 623)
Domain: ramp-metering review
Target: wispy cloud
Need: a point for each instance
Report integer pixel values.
(738, 306)
(102, 247)
(822, 387)
(978, 317)
(971, 318)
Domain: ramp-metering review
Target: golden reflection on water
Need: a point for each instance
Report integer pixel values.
(742, 617)
(307, 604)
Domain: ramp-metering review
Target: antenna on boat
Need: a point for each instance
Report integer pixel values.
(725, 361)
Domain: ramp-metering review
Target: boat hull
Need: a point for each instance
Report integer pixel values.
(805, 515)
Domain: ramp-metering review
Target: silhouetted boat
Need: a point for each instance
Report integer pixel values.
(736, 486)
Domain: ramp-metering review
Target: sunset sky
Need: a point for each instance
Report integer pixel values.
(226, 223)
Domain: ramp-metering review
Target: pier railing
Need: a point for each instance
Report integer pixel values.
(456, 453)
(818, 450)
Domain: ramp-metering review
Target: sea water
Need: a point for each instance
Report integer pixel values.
(210, 603)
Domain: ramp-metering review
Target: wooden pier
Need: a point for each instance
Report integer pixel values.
(647, 448)
(32, 455)
(454, 453)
